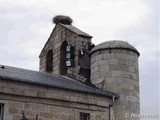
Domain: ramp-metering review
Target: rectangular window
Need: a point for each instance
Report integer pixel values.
(84, 116)
(1, 111)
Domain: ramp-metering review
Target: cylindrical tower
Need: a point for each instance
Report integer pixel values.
(114, 67)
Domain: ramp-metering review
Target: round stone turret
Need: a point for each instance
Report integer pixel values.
(114, 67)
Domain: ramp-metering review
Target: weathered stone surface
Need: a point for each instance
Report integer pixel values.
(48, 103)
(60, 34)
(119, 69)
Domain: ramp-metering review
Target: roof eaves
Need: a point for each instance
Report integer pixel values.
(97, 92)
(85, 36)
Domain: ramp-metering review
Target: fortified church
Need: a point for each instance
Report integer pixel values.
(76, 80)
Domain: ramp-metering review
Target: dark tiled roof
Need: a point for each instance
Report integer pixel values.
(76, 30)
(56, 81)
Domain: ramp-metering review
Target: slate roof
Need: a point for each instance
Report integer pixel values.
(76, 30)
(118, 44)
(51, 80)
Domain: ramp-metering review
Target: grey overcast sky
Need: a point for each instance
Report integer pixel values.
(25, 26)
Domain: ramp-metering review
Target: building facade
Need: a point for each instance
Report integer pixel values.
(77, 80)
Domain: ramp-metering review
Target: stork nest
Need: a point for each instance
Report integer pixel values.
(62, 19)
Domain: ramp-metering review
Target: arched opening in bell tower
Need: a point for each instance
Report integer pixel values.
(49, 61)
(63, 68)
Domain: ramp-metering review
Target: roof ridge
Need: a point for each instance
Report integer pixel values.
(76, 30)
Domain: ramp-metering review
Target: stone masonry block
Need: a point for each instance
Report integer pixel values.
(113, 61)
(16, 104)
(30, 93)
(99, 58)
(104, 68)
(131, 98)
(103, 62)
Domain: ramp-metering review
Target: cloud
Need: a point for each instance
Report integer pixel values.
(21, 29)
(117, 14)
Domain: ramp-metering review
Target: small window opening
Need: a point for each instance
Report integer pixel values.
(1, 111)
(49, 61)
(84, 116)
(63, 68)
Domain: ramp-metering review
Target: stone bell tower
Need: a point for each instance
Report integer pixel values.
(67, 50)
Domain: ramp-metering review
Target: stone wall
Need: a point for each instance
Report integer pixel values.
(53, 44)
(60, 34)
(116, 70)
(49, 103)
